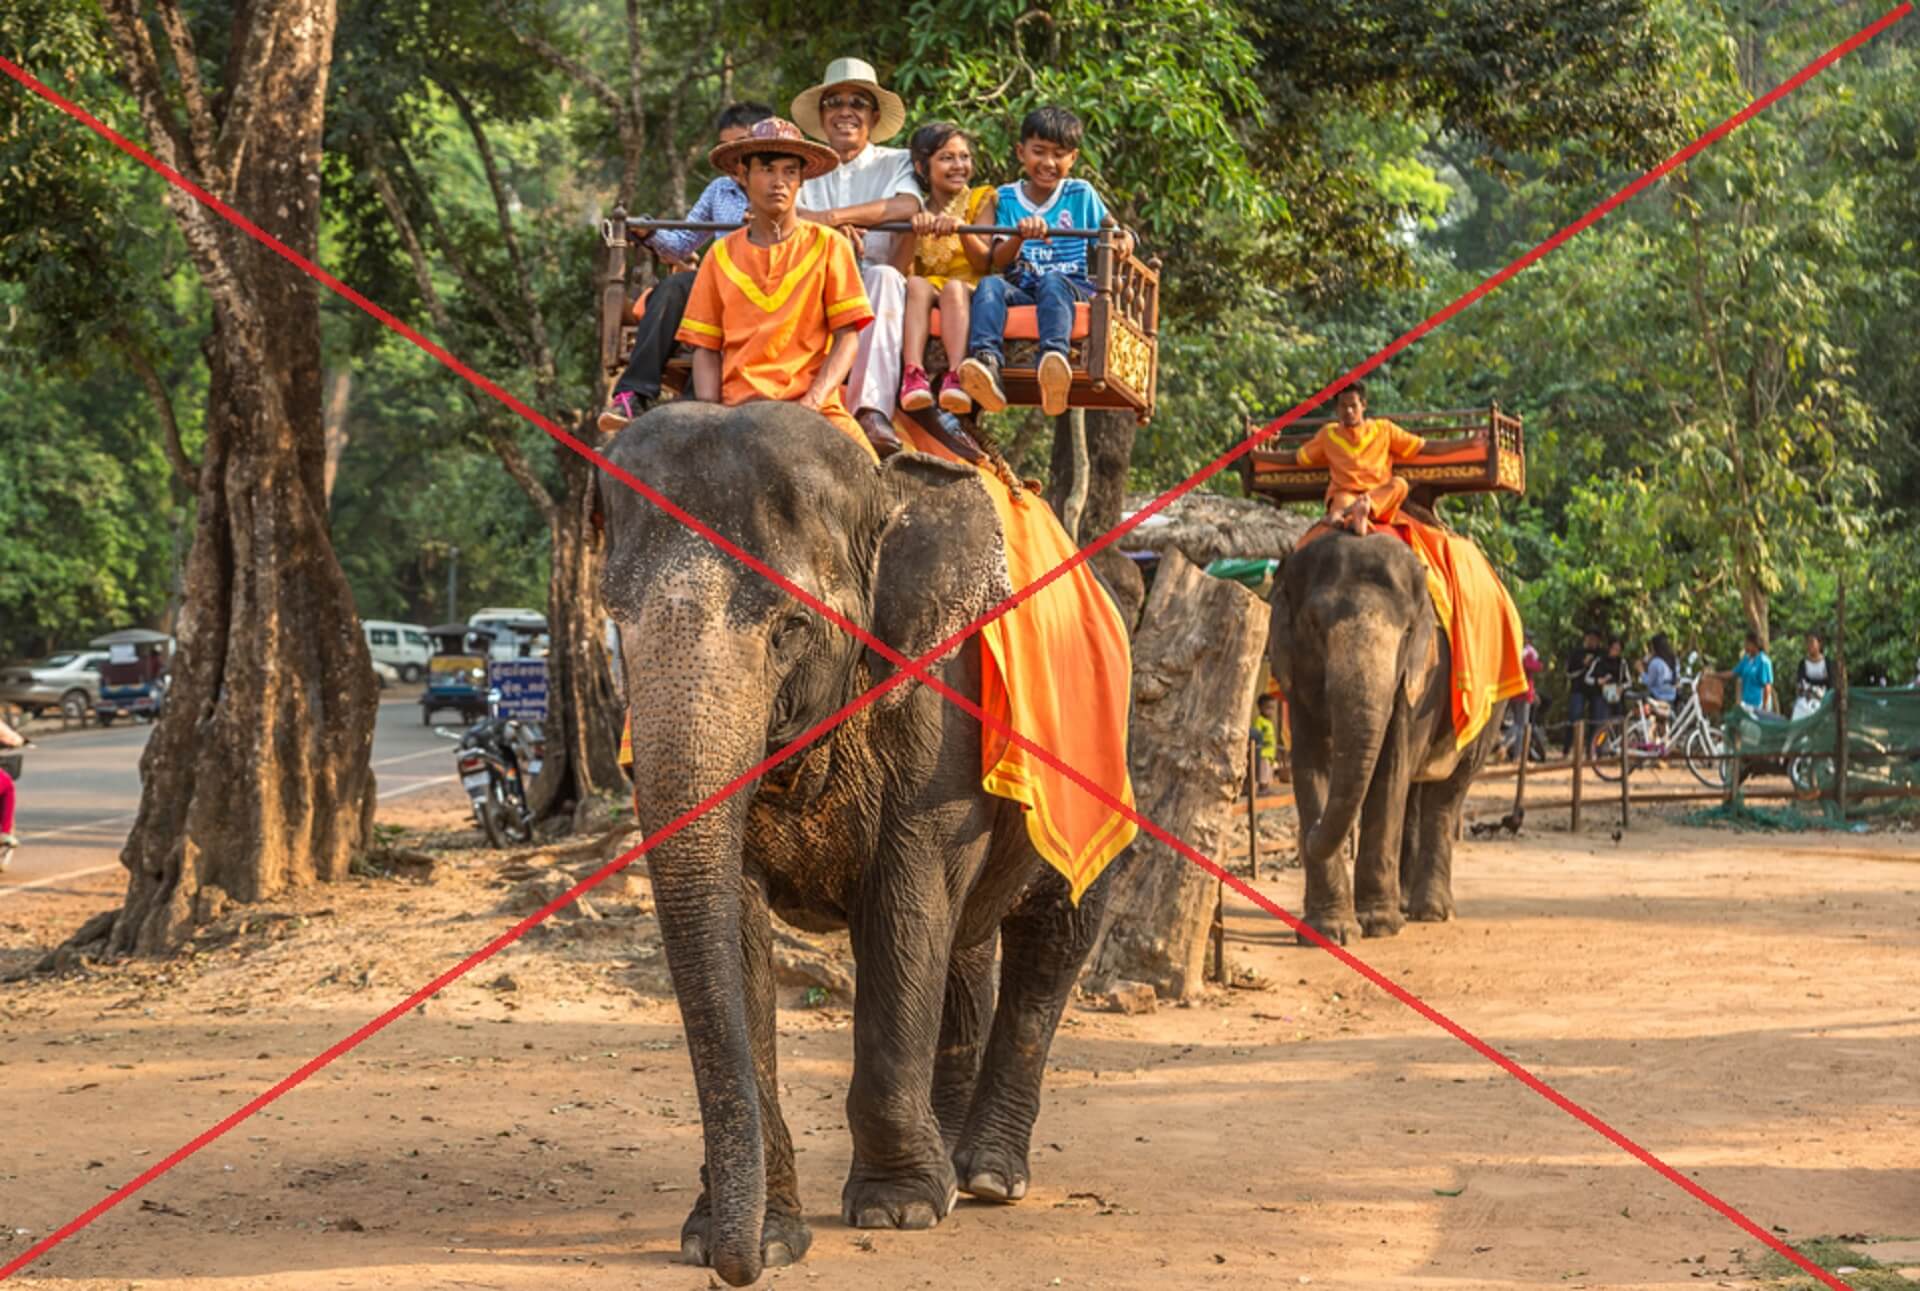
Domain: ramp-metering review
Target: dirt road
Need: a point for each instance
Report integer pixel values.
(1748, 1007)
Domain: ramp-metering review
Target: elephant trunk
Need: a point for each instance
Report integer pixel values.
(699, 721)
(1362, 681)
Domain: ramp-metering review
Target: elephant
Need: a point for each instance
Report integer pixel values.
(880, 826)
(1357, 651)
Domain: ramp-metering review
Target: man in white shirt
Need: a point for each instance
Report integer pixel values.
(851, 112)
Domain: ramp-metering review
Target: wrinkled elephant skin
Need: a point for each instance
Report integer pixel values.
(1365, 668)
(880, 826)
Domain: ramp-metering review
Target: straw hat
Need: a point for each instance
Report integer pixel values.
(850, 71)
(776, 134)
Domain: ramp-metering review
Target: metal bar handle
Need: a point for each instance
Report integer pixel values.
(891, 226)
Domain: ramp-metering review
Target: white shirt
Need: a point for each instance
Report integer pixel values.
(873, 175)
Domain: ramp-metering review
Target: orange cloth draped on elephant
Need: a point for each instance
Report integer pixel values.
(1056, 668)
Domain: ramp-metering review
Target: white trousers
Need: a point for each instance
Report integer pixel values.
(874, 381)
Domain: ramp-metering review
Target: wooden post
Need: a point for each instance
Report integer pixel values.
(1733, 767)
(1219, 973)
(1579, 761)
(1839, 667)
(1626, 760)
(1520, 775)
(1253, 808)
(1196, 664)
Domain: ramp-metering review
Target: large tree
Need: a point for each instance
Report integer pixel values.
(256, 777)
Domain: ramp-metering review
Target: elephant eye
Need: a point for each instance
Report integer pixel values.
(790, 630)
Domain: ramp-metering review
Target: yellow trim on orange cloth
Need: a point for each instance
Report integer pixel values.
(769, 302)
(1056, 668)
(852, 302)
(705, 329)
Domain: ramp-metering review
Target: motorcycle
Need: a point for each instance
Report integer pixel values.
(498, 758)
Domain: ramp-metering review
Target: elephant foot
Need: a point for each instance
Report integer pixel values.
(784, 1237)
(1384, 922)
(1430, 905)
(915, 1198)
(1336, 928)
(992, 1173)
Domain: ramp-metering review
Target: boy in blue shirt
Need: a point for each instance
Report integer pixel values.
(1033, 268)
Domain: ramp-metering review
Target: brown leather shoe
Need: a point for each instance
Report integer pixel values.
(951, 432)
(879, 431)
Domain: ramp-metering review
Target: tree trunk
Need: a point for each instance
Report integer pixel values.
(1109, 450)
(256, 778)
(584, 710)
(1196, 662)
(334, 433)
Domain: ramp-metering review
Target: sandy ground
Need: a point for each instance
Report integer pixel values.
(1746, 1006)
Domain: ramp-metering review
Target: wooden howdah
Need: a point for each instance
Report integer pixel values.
(1115, 365)
(1454, 463)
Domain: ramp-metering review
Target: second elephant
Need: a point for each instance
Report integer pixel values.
(1367, 673)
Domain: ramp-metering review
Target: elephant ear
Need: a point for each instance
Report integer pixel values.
(1280, 631)
(941, 561)
(1422, 650)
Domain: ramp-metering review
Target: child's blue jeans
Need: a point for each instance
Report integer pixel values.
(1053, 295)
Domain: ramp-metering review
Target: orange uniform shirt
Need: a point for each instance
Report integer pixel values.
(771, 312)
(1362, 464)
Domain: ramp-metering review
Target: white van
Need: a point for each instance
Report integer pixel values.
(516, 627)
(403, 645)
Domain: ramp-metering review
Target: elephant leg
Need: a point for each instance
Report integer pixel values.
(1376, 871)
(1430, 856)
(1044, 942)
(901, 1176)
(784, 1235)
(1329, 905)
(964, 1019)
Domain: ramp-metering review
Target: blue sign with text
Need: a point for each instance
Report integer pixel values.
(522, 684)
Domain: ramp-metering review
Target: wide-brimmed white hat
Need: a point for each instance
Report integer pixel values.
(850, 71)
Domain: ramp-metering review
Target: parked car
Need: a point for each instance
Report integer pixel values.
(385, 673)
(68, 681)
(404, 645)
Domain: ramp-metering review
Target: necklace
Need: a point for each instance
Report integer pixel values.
(770, 236)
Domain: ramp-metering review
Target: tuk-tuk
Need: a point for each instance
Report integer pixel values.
(133, 681)
(457, 672)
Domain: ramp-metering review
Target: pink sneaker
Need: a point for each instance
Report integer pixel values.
(953, 396)
(916, 393)
(623, 408)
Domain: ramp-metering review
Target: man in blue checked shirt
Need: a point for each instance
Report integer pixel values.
(723, 202)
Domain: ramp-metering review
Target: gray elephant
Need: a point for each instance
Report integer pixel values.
(1367, 675)
(880, 827)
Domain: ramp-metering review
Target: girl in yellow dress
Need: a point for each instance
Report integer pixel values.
(946, 264)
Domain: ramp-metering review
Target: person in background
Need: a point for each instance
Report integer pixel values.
(1660, 674)
(1582, 692)
(9, 739)
(723, 202)
(1523, 707)
(1266, 732)
(1815, 670)
(1610, 681)
(1754, 672)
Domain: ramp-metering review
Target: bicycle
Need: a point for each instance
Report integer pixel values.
(1657, 732)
